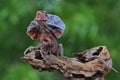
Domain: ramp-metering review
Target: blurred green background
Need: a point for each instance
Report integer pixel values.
(89, 23)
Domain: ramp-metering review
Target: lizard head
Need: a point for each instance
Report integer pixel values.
(41, 16)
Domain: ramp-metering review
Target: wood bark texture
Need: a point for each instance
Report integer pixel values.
(92, 64)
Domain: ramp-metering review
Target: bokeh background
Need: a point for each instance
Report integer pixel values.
(89, 23)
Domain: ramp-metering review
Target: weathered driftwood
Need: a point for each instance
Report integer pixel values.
(91, 64)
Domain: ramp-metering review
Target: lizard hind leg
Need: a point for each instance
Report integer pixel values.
(60, 50)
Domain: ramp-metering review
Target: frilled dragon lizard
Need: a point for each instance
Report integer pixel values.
(46, 28)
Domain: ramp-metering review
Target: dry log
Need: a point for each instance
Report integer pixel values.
(92, 64)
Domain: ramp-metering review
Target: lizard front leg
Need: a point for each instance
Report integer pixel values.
(31, 48)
